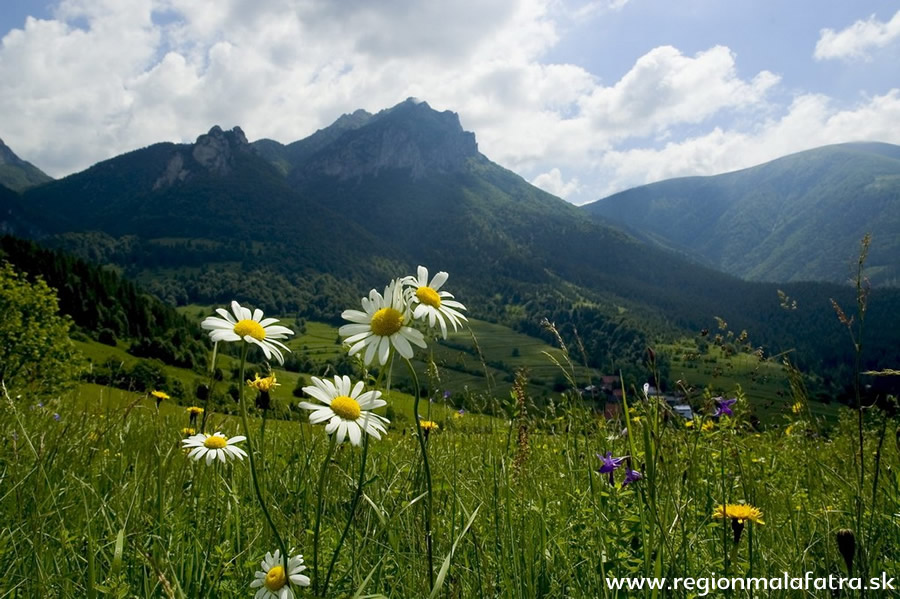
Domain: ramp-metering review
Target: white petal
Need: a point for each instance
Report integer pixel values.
(402, 345)
(333, 425)
(355, 433)
(321, 415)
(384, 350)
(371, 349)
(438, 280)
(353, 329)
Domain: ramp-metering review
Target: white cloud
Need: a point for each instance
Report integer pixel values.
(595, 7)
(552, 182)
(665, 88)
(858, 39)
(811, 121)
(107, 76)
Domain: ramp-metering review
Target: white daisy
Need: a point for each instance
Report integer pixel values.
(427, 301)
(383, 324)
(348, 411)
(252, 328)
(214, 446)
(273, 582)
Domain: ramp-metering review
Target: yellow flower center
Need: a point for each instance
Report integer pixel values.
(345, 407)
(215, 442)
(250, 327)
(386, 322)
(429, 297)
(275, 578)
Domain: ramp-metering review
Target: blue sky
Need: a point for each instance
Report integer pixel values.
(583, 98)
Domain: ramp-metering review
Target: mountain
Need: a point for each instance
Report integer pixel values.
(17, 174)
(797, 218)
(286, 157)
(308, 227)
(14, 218)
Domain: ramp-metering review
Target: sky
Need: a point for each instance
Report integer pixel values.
(582, 98)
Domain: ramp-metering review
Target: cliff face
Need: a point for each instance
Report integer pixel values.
(411, 137)
(213, 152)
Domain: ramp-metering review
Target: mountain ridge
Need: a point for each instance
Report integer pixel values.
(17, 174)
(308, 239)
(765, 222)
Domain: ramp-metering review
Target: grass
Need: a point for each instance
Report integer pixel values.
(80, 510)
(98, 498)
(764, 381)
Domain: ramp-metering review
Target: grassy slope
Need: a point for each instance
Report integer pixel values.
(462, 372)
(547, 525)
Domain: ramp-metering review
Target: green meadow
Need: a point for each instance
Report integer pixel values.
(477, 468)
(104, 502)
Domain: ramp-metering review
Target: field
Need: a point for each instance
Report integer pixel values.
(491, 477)
(99, 500)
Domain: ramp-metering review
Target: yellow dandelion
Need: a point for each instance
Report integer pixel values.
(708, 426)
(689, 424)
(264, 384)
(788, 430)
(429, 425)
(797, 408)
(740, 512)
(160, 395)
(194, 411)
(188, 431)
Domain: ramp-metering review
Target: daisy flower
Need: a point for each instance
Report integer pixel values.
(214, 446)
(428, 302)
(251, 327)
(274, 582)
(348, 411)
(382, 324)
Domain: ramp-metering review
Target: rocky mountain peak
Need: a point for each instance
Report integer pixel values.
(411, 136)
(215, 149)
(213, 152)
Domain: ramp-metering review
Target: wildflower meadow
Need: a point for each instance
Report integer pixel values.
(372, 491)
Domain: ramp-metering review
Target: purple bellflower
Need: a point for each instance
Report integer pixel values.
(631, 476)
(724, 407)
(609, 465)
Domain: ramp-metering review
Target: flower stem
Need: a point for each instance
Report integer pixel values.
(428, 496)
(209, 386)
(320, 496)
(356, 496)
(159, 485)
(259, 496)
